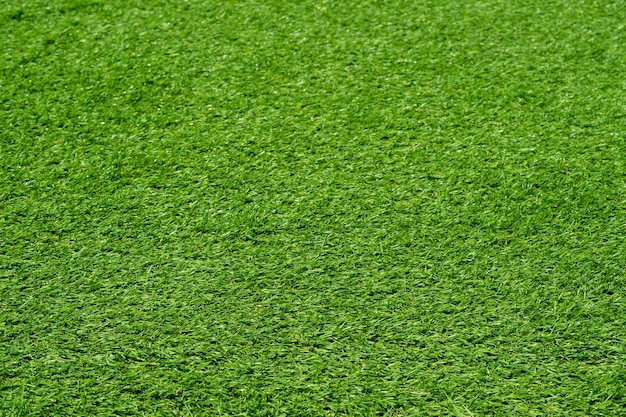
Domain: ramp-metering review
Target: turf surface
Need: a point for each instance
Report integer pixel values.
(312, 208)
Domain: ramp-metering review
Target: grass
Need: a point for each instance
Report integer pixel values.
(312, 208)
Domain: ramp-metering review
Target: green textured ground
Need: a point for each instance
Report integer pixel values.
(312, 208)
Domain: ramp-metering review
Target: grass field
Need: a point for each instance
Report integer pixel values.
(312, 208)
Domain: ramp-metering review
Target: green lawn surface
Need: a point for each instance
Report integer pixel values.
(312, 208)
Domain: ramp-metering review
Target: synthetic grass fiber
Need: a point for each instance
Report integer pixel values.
(312, 208)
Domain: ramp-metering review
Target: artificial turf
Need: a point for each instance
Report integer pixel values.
(312, 208)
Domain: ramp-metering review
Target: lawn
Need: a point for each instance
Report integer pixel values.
(312, 208)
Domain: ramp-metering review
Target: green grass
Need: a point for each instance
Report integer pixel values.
(312, 208)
